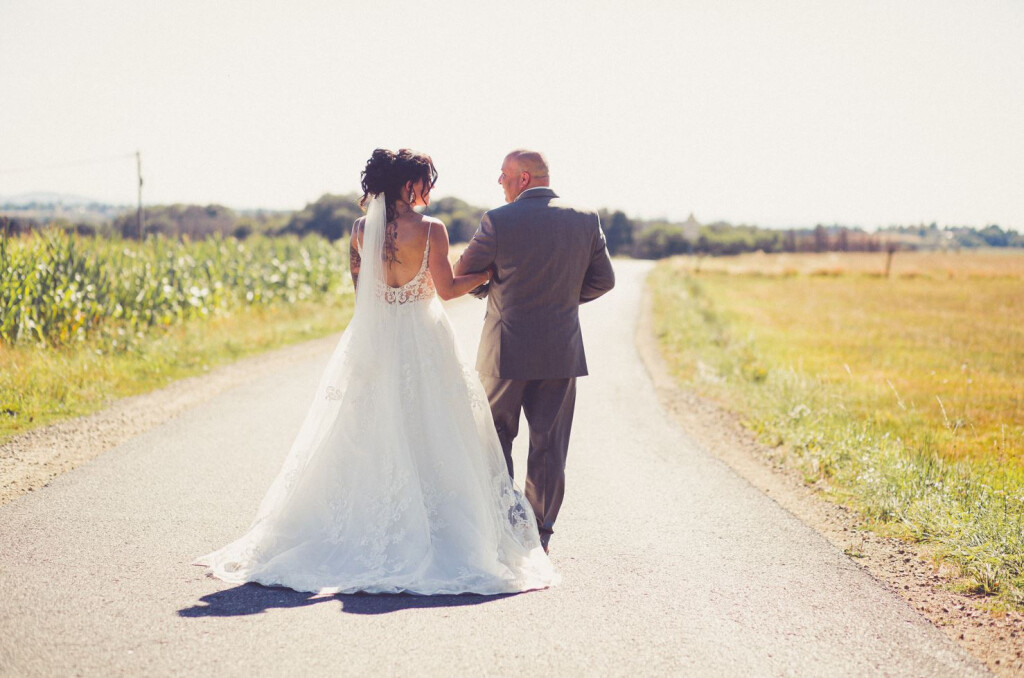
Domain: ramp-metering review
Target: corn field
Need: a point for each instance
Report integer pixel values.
(57, 289)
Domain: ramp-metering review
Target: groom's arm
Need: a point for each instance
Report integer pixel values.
(479, 254)
(481, 250)
(599, 277)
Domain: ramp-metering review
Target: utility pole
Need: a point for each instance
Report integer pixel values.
(138, 167)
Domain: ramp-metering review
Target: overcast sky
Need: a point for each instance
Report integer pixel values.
(777, 113)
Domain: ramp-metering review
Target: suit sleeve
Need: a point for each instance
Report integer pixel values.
(599, 277)
(481, 251)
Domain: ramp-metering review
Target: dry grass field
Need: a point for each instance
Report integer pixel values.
(935, 353)
(902, 395)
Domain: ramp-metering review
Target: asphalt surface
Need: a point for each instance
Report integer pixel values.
(671, 564)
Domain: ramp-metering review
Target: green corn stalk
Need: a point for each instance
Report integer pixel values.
(57, 289)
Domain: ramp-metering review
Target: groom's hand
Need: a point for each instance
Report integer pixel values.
(481, 291)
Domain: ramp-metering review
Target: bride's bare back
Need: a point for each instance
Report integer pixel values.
(409, 232)
(408, 235)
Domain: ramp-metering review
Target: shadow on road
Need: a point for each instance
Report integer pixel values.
(255, 599)
(364, 603)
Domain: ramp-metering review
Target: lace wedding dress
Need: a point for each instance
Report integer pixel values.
(396, 480)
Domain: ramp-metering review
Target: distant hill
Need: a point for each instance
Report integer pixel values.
(45, 206)
(46, 198)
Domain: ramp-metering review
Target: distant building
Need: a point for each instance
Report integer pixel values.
(691, 228)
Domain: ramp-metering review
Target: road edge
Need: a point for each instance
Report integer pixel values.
(32, 460)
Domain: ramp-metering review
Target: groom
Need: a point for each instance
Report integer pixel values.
(547, 258)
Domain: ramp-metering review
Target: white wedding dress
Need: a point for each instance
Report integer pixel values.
(396, 481)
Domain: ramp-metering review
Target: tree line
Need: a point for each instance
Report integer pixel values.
(658, 239)
(331, 217)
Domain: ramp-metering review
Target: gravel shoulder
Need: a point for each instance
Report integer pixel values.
(995, 638)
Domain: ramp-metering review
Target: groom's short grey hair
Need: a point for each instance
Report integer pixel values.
(532, 162)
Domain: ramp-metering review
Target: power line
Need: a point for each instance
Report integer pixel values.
(72, 163)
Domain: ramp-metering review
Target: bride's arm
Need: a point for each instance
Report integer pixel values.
(354, 245)
(447, 284)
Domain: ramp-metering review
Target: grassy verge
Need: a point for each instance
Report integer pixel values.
(901, 398)
(40, 385)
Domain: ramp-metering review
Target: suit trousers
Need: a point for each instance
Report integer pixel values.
(549, 406)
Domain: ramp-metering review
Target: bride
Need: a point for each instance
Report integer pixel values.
(396, 480)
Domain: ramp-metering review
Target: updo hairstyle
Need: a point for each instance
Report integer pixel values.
(388, 173)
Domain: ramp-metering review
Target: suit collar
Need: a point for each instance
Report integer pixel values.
(537, 192)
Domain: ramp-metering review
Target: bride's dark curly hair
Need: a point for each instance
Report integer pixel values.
(387, 172)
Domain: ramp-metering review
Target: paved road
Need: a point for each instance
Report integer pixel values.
(671, 563)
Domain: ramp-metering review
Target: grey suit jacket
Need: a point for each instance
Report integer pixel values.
(550, 258)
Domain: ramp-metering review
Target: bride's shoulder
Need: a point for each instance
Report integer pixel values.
(437, 232)
(357, 225)
(433, 226)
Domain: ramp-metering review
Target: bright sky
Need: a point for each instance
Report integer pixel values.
(777, 113)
